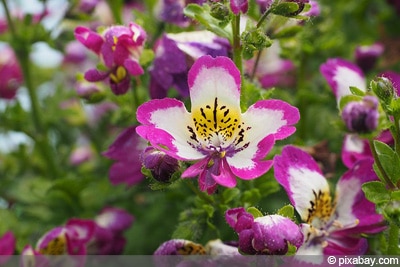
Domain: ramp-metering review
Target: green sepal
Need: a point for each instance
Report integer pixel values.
(255, 212)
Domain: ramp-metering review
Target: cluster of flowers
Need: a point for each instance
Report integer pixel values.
(221, 143)
(103, 235)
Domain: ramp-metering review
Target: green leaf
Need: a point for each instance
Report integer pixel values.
(347, 99)
(285, 9)
(376, 192)
(355, 91)
(189, 230)
(202, 15)
(251, 197)
(230, 194)
(255, 212)
(389, 160)
(287, 211)
(287, 32)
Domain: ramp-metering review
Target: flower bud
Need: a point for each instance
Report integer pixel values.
(392, 212)
(219, 11)
(361, 117)
(160, 164)
(267, 235)
(383, 88)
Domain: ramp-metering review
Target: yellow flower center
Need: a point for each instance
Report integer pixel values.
(321, 208)
(57, 246)
(216, 123)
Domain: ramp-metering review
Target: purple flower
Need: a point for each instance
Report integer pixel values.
(160, 164)
(119, 48)
(341, 74)
(171, 11)
(329, 227)
(367, 55)
(179, 247)
(238, 6)
(272, 70)
(126, 151)
(10, 73)
(70, 239)
(108, 237)
(354, 148)
(174, 55)
(270, 235)
(361, 116)
(7, 246)
(224, 141)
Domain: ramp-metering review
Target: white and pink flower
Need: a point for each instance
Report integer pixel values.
(224, 141)
(331, 226)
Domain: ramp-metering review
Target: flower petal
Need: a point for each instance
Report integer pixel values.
(352, 206)
(88, 38)
(170, 120)
(354, 148)
(225, 177)
(214, 78)
(303, 181)
(262, 123)
(341, 74)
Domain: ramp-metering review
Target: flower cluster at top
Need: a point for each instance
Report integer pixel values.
(213, 112)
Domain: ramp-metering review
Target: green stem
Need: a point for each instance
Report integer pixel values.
(393, 235)
(257, 61)
(389, 183)
(396, 134)
(263, 18)
(200, 194)
(22, 49)
(237, 47)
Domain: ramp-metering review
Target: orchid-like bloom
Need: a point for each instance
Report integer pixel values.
(180, 247)
(174, 55)
(225, 142)
(7, 246)
(331, 226)
(354, 148)
(268, 235)
(272, 70)
(361, 116)
(119, 48)
(10, 73)
(126, 151)
(341, 74)
(366, 56)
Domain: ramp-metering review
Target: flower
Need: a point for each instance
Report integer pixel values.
(225, 142)
(160, 164)
(119, 48)
(367, 55)
(7, 246)
(270, 235)
(272, 70)
(108, 236)
(331, 227)
(361, 116)
(174, 55)
(70, 239)
(180, 247)
(341, 74)
(126, 151)
(10, 73)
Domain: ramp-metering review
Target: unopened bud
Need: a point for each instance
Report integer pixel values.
(160, 164)
(219, 11)
(383, 88)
